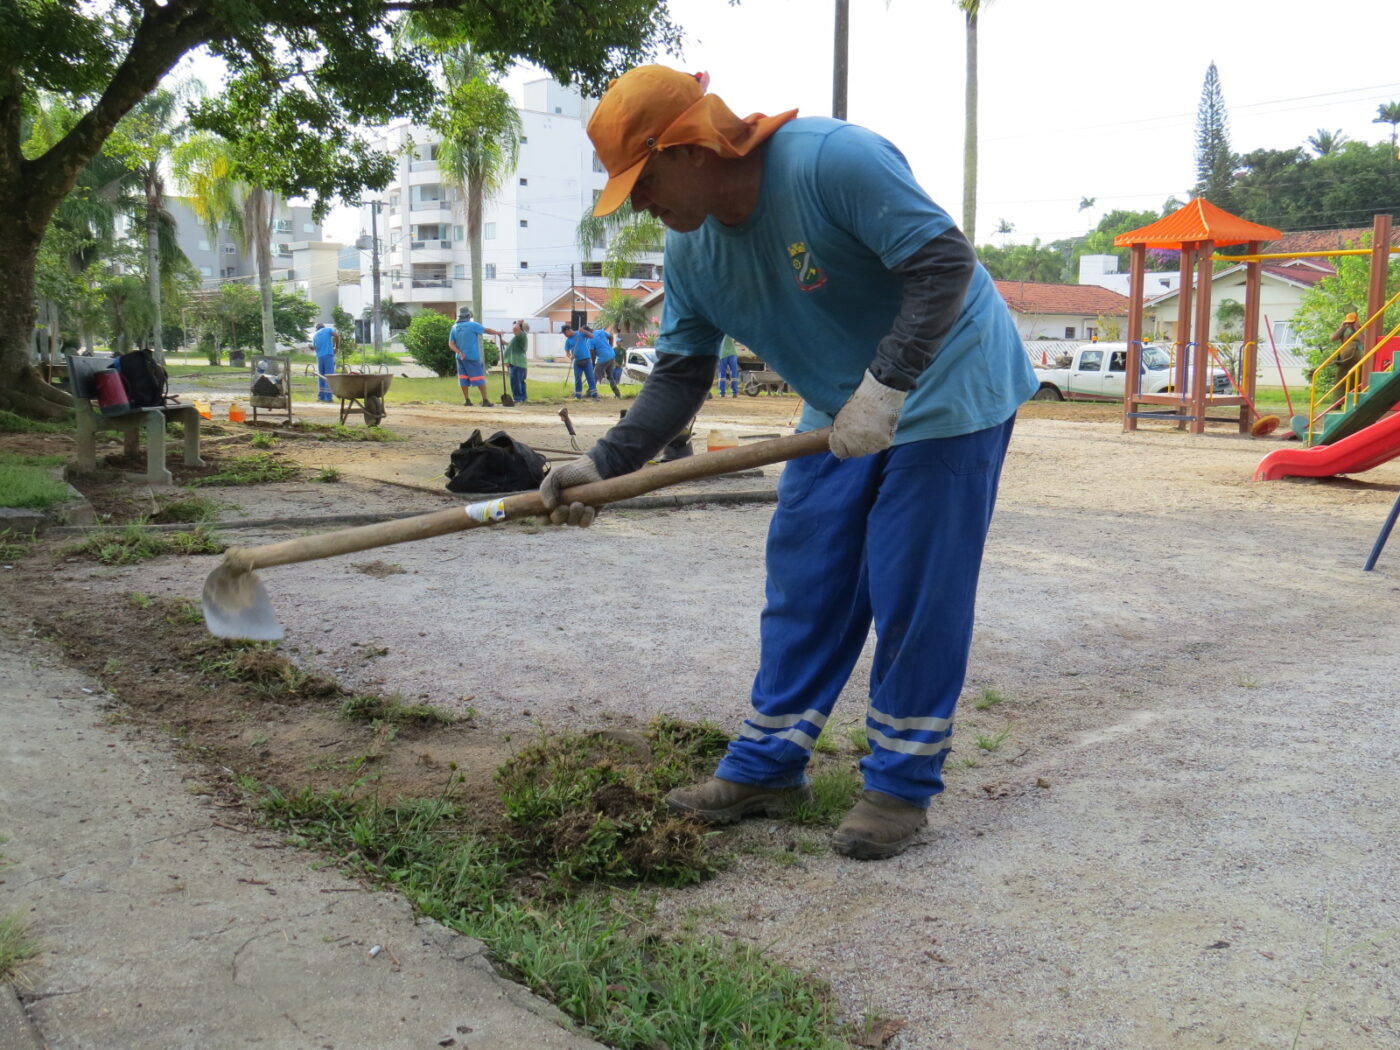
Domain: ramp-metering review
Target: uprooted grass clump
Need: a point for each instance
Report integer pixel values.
(136, 543)
(589, 807)
(340, 432)
(271, 674)
(256, 469)
(599, 956)
(371, 709)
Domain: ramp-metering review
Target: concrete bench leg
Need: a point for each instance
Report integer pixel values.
(87, 435)
(191, 424)
(156, 472)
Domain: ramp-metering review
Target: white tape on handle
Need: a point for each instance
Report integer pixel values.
(487, 511)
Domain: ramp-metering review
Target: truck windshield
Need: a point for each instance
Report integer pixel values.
(1155, 358)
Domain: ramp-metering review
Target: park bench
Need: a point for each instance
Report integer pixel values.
(91, 422)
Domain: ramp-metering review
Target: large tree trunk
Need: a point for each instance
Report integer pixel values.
(22, 389)
(969, 223)
(153, 206)
(258, 217)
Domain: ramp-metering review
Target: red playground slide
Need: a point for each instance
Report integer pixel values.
(1361, 451)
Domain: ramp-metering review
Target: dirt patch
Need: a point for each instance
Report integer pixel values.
(378, 569)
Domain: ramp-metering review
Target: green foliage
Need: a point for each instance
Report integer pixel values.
(426, 342)
(1024, 262)
(28, 481)
(395, 317)
(371, 709)
(14, 545)
(15, 946)
(326, 475)
(234, 314)
(1332, 298)
(15, 424)
(136, 543)
(1290, 190)
(624, 313)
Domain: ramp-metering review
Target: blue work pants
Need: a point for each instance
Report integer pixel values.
(893, 538)
(325, 365)
(729, 369)
(517, 382)
(583, 368)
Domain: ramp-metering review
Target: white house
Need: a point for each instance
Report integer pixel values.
(1064, 311)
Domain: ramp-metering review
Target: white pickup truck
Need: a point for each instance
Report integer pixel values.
(1096, 372)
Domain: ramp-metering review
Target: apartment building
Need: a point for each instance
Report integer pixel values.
(529, 230)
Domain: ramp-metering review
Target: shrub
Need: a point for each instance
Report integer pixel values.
(426, 342)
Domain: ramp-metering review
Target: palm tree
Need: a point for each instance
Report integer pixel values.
(155, 126)
(629, 235)
(1325, 141)
(203, 166)
(624, 312)
(971, 10)
(1389, 113)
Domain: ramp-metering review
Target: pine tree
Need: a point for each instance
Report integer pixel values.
(1215, 164)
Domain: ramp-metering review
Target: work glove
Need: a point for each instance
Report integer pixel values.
(580, 472)
(866, 423)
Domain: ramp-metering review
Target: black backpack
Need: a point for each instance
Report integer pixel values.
(498, 464)
(144, 379)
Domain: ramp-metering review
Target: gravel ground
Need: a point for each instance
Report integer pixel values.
(1186, 841)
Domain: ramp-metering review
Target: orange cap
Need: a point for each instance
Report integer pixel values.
(651, 108)
(1350, 317)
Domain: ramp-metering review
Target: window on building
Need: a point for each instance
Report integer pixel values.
(488, 231)
(203, 246)
(459, 272)
(282, 226)
(597, 163)
(524, 265)
(524, 182)
(308, 227)
(456, 233)
(490, 271)
(206, 271)
(524, 223)
(559, 109)
(283, 248)
(523, 140)
(1069, 332)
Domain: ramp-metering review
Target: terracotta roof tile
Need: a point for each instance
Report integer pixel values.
(1033, 297)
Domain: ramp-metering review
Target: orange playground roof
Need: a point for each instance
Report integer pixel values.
(1197, 220)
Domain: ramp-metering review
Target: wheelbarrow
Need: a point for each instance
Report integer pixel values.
(763, 380)
(362, 392)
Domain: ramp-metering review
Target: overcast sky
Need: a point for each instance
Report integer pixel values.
(1078, 98)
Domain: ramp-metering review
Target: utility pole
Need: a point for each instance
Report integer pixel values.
(838, 64)
(376, 334)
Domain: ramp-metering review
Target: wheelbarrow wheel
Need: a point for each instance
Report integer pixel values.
(751, 387)
(374, 411)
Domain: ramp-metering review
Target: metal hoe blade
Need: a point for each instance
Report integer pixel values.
(237, 606)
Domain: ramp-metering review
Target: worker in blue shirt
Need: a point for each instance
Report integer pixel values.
(604, 356)
(324, 341)
(578, 348)
(811, 240)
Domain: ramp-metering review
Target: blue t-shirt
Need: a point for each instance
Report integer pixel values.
(805, 281)
(602, 346)
(573, 344)
(324, 342)
(467, 336)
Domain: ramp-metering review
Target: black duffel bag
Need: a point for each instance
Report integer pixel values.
(498, 464)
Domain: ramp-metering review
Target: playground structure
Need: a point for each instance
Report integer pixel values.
(1196, 230)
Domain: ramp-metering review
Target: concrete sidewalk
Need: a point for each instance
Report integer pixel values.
(160, 927)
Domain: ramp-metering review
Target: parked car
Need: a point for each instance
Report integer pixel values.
(640, 361)
(1096, 372)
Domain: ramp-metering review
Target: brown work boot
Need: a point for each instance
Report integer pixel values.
(878, 826)
(717, 801)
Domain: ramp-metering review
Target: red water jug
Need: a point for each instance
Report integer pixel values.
(111, 394)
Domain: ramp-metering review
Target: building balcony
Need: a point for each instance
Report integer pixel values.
(418, 245)
(438, 205)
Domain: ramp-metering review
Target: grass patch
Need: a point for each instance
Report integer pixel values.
(989, 699)
(994, 741)
(257, 469)
(198, 510)
(136, 543)
(597, 956)
(263, 440)
(326, 475)
(15, 946)
(369, 709)
(834, 792)
(14, 545)
(271, 674)
(11, 423)
(28, 481)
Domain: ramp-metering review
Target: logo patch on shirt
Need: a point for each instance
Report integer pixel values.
(804, 268)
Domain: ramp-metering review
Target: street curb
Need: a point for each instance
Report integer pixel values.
(17, 1031)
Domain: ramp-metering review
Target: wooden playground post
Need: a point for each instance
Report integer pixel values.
(1253, 279)
(1132, 382)
(1375, 293)
(1200, 353)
